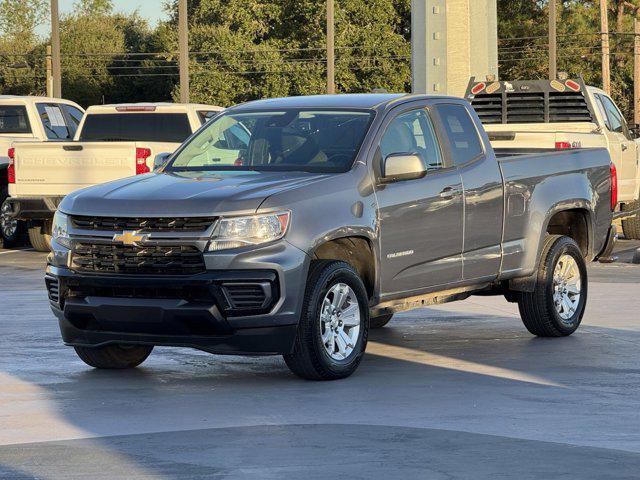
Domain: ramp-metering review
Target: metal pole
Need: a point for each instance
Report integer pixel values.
(55, 50)
(183, 41)
(606, 67)
(636, 68)
(49, 73)
(553, 44)
(331, 85)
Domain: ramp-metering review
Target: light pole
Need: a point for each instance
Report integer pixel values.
(331, 84)
(183, 47)
(55, 50)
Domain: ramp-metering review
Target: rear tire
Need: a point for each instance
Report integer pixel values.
(10, 228)
(380, 321)
(631, 225)
(556, 306)
(116, 357)
(334, 295)
(40, 237)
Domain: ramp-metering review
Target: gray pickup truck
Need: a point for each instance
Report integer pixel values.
(324, 216)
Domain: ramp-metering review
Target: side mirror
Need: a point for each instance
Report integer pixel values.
(635, 131)
(402, 166)
(160, 160)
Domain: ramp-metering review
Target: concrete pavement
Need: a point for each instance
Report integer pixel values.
(457, 391)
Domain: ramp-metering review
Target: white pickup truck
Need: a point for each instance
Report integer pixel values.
(29, 118)
(112, 142)
(537, 115)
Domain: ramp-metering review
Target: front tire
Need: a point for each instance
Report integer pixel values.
(334, 325)
(631, 225)
(40, 237)
(556, 306)
(114, 357)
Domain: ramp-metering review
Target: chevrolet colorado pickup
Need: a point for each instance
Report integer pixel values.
(24, 119)
(338, 212)
(112, 141)
(529, 116)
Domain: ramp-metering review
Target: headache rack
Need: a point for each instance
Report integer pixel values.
(530, 101)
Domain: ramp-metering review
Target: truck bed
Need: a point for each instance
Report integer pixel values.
(532, 180)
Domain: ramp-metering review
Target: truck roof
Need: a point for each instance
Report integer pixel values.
(157, 106)
(350, 100)
(24, 99)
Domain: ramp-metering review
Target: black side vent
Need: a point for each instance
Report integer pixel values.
(53, 289)
(488, 108)
(525, 108)
(247, 296)
(568, 107)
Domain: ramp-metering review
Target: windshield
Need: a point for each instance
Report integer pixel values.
(285, 140)
(136, 127)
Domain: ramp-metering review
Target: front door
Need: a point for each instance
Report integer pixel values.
(623, 149)
(421, 220)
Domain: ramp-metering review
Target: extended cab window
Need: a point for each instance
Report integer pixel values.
(412, 133)
(136, 127)
(462, 133)
(14, 119)
(53, 121)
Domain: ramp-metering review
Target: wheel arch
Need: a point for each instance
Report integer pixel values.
(356, 250)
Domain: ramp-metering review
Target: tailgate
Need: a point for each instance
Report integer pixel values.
(59, 168)
(544, 137)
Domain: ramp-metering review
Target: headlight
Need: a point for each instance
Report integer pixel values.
(60, 229)
(234, 232)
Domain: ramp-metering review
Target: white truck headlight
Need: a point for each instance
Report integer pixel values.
(60, 229)
(234, 232)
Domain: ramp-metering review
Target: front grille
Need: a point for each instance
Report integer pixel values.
(182, 224)
(53, 288)
(138, 260)
(247, 296)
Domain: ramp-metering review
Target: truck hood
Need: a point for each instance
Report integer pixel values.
(185, 194)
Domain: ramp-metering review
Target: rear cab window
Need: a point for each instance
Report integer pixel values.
(614, 120)
(206, 115)
(136, 127)
(14, 120)
(462, 134)
(74, 117)
(56, 125)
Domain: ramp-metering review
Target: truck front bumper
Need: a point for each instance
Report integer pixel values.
(33, 208)
(247, 306)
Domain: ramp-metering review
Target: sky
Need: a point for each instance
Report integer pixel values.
(152, 10)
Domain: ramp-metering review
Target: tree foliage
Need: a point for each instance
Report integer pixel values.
(247, 49)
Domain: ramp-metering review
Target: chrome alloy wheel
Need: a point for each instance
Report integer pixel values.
(340, 321)
(8, 224)
(566, 287)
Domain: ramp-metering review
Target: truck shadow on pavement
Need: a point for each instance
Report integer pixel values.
(438, 395)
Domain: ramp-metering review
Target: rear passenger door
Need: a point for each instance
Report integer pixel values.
(420, 220)
(483, 191)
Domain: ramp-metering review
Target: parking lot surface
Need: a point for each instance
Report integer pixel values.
(457, 391)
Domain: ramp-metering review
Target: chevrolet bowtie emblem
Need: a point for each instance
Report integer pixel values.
(128, 237)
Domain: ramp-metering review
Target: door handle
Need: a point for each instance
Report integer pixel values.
(624, 147)
(447, 193)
